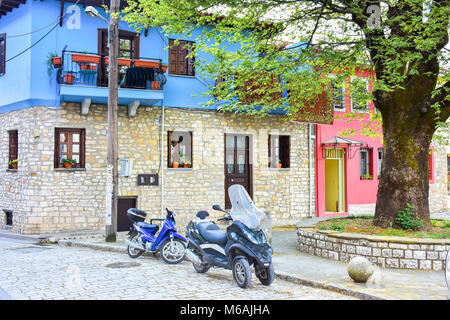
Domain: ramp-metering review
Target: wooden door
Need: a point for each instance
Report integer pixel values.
(238, 167)
(129, 43)
(123, 223)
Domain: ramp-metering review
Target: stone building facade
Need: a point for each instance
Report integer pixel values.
(45, 199)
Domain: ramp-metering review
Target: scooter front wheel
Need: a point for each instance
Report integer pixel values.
(242, 273)
(172, 251)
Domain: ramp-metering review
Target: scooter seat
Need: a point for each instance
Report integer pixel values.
(212, 233)
(147, 225)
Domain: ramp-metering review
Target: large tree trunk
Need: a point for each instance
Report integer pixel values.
(407, 132)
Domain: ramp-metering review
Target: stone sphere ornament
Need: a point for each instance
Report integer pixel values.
(360, 269)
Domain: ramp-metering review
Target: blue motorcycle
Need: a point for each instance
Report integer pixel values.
(144, 237)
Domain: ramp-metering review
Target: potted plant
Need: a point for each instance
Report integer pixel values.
(53, 61)
(186, 163)
(69, 77)
(14, 163)
(175, 164)
(155, 85)
(88, 66)
(279, 164)
(366, 177)
(68, 163)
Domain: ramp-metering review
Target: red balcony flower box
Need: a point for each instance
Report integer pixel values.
(86, 58)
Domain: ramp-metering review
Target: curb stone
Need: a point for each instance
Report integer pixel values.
(329, 287)
(296, 280)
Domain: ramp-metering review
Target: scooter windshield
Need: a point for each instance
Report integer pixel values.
(243, 209)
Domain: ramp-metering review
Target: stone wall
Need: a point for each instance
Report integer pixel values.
(386, 252)
(46, 200)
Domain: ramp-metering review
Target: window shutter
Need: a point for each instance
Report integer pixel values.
(182, 61)
(13, 145)
(270, 152)
(285, 151)
(430, 166)
(190, 61)
(173, 54)
(370, 161)
(2, 53)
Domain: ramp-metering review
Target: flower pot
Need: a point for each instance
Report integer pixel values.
(15, 166)
(56, 61)
(186, 165)
(121, 61)
(88, 66)
(279, 165)
(146, 64)
(156, 85)
(67, 165)
(175, 164)
(86, 58)
(69, 78)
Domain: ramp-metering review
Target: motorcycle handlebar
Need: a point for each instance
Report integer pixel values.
(225, 218)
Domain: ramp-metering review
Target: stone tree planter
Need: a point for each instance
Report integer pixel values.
(386, 252)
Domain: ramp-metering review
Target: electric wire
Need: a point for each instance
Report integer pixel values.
(42, 38)
(45, 27)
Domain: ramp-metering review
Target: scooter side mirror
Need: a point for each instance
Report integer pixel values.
(218, 208)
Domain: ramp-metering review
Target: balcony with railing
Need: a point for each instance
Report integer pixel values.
(83, 78)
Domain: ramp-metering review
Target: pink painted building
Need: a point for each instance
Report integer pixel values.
(348, 165)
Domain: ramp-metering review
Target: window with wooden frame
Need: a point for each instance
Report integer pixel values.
(70, 144)
(179, 62)
(366, 165)
(279, 151)
(129, 48)
(13, 137)
(338, 96)
(2, 53)
(359, 94)
(179, 149)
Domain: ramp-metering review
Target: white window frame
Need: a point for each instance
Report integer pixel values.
(351, 94)
(366, 151)
(379, 160)
(343, 98)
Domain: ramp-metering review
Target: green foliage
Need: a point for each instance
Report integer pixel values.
(406, 219)
(69, 161)
(49, 63)
(334, 224)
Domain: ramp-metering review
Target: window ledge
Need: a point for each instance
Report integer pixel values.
(12, 170)
(280, 169)
(70, 169)
(180, 169)
(181, 76)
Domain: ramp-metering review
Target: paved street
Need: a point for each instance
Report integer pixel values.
(28, 271)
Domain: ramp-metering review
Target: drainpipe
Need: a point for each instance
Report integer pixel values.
(310, 155)
(162, 161)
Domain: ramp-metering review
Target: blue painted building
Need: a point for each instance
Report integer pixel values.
(173, 152)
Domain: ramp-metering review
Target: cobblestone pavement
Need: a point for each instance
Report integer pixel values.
(28, 271)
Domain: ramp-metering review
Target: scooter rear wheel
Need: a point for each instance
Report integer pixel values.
(133, 252)
(242, 273)
(266, 275)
